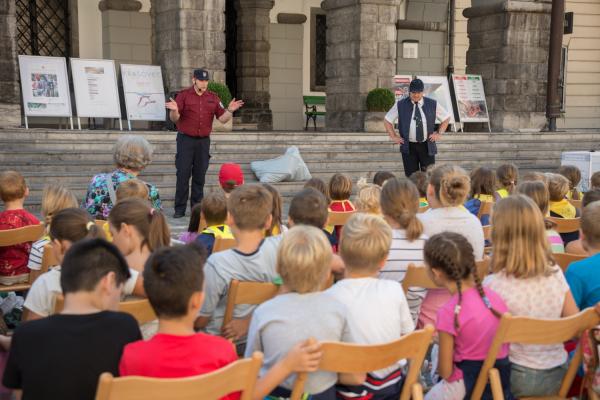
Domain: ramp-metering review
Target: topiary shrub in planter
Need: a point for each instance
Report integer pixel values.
(379, 101)
(224, 94)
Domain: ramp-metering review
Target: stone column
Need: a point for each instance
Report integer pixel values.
(10, 94)
(361, 55)
(188, 34)
(508, 47)
(252, 70)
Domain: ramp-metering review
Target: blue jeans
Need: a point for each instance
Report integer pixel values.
(525, 382)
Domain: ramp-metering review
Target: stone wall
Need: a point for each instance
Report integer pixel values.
(10, 95)
(285, 60)
(126, 37)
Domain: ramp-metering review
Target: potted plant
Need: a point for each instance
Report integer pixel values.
(224, 94)
(379, 101)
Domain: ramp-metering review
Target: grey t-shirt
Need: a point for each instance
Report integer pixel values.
(222, 267)
(280, 323)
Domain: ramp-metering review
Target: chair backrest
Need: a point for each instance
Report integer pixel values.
(537, 331)
(338, 218)
(423, 209)
(48, 260)
(417, 276)
(316, 100)
(356, 358)
(239, 376)
(564, 259)
(485, 208)
(575, 203)
(566, 225)
(223, 244)
(140, 309)
(247, 293)
(29, 233)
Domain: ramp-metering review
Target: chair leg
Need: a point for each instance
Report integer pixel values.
(496, 384)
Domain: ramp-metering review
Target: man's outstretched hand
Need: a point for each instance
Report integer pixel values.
(235, 105)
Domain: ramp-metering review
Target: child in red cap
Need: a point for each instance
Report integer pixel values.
(230, 177)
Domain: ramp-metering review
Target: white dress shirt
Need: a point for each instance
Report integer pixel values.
(440, 115)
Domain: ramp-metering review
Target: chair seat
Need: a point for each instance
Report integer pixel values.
(17, 287)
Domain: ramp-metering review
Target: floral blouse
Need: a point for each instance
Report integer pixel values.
(97, 200)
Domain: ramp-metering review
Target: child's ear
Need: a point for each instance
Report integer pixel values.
(269, 221)
(382, 263)
(290, 222)
(196, 302)
(430, 190)
(26, 192)
(229, 220)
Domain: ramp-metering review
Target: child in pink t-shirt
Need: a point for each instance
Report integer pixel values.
(467, 323)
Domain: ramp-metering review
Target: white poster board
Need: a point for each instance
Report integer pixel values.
(95, 86)
(437, 88)
(587, 162)
(470, 98)
(144, 92)
(44, 86)
(401, 85)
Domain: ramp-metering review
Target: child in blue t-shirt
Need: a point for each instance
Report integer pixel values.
(214, 210)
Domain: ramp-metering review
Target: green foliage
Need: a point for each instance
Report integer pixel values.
(380, 99)
(222, 91)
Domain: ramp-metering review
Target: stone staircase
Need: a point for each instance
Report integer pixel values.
(73, 157)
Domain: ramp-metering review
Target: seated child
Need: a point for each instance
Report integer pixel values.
(483, 182)
(507, 176)
(86, 337)
(381, 177)
(13, 259)
(303, 261)
(69, 226)
(467, 323)
(253, 259)
(595, 181)
(531, 285)
(377, 309)
(230, 177)
(319, 185)
(533, 176)
(400, 205)
(584, 276)
(277, 226)
(421, 180)
(194, 226)
(560, 207)
(173, 281)
(132, 188)
(573, 174)
(214, 209)
(309, 207)
(538, 192)
(576, 247)
(54, 199)
(340, 190)
(367, 199)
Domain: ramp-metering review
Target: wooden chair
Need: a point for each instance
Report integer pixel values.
(239, 376)
(223, 244)
(485, 208)
(339, 218)
(576, 203)
(525, 330)
(423, 209)
(566, 225)
(140, 309)
(564, 259)
(417, 276)
(354, 358)
(247, 293)
(11, 237)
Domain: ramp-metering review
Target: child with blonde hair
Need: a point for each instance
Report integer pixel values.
(319, 185)
(400, 205)
(277, 226)
(367, 198)
(421, 180)
(448, 189)
(132, 188)
(467, 323)
(573, 174)
(558, 188)
(13, 259)
(303, 261)
(377, 309)
(538, 192)
(507, 176)
(340, 190)
(532, 285)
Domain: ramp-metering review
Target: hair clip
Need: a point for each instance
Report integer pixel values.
(152, 211)
(89, 225)
(457, 309)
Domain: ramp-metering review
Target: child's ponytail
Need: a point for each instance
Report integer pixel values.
(151, 224)
(74, 224)
(159, 234)
(400, 202)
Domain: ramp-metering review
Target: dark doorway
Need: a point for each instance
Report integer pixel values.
(43, 27)
(230, 46)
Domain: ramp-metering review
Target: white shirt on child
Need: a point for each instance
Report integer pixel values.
(538, 297)
(222, 267)
(377, 311)
(41, 298)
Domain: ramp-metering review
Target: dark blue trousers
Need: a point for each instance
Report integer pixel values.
(193, 155)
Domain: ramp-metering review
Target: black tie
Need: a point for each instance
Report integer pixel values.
(418, 123)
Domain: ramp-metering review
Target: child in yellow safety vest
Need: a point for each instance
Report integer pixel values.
(213, 209)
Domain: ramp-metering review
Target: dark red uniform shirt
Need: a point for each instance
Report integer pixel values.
(197, 112)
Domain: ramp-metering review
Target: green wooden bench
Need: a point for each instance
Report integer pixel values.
(312, 111)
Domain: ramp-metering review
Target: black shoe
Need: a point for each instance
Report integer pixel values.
(178, 214)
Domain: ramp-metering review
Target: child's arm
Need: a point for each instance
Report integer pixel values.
(201, 322)
(569, 305)
(337, 266)
(446, 363)
(303, 357)
(352, 379)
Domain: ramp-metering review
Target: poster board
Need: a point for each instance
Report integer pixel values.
(470, 98)
(587, 162)
(144, 92)
(95, 86)
(437, 88)
(44, 86)
(401, 86)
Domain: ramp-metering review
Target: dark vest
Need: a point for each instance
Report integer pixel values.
(405, 109)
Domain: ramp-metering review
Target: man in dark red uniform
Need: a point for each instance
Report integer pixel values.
(193, 112)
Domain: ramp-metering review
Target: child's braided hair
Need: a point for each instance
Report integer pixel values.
(452, 254)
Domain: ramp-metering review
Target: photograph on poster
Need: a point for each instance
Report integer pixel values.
(437, 88)
(44, 85)
(470, 98)
(401, 84)
(96, 90)
(144, 92)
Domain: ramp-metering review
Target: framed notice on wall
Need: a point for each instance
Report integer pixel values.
(470, 99)
(144, 92)
(45, 87)
(401, 85)
(437, 88)
(96, 90)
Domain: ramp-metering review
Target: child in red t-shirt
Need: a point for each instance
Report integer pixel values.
(13, 259)
(340, 190)
(173, 280)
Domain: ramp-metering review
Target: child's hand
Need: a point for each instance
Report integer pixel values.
(236, 329)
(304, 356)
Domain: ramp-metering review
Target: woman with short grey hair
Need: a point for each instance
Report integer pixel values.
(132, 153)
